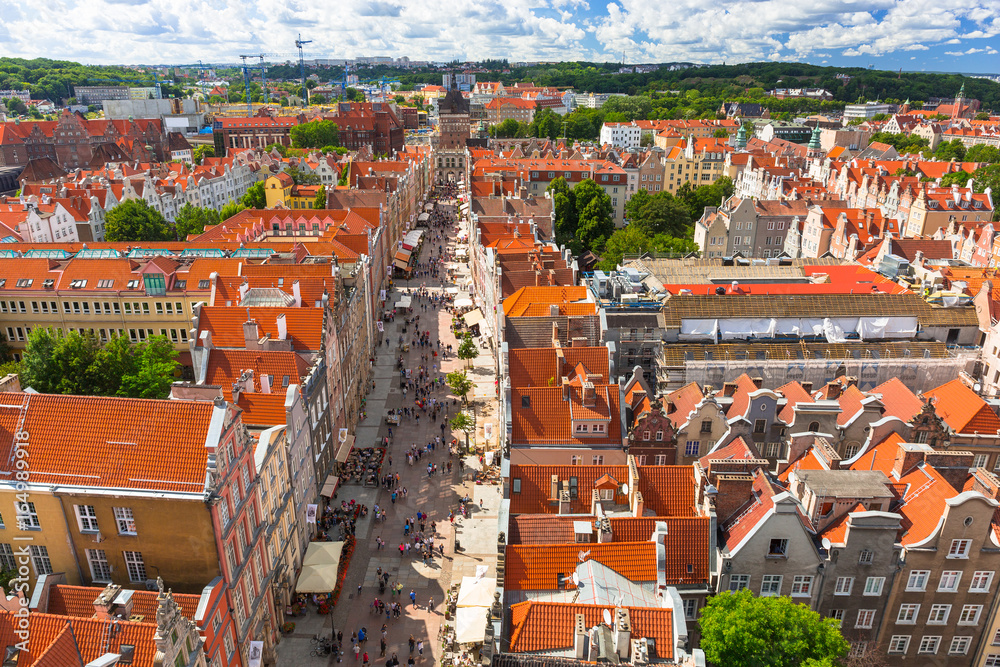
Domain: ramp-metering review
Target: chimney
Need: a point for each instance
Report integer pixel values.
(907, 456)
(758, 382)
(104, 605)
(580, 637)
(282, 327)
(638, 504)
(986, 483)
(265, 383)
(565, 504)
(589, 394)
(244, 287)
(832, 391)
(553, 310)
(251, 335)
(565, 388)
(560, 361)
(297, 293)
(247, 379)
(555, 335)
(734, 490)
(623, 632)
(808, 386)
(554, 487)
(604, 533)
(538, 278)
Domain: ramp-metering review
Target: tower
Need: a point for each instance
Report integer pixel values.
(741, 136)
(815, 147)
(957, 109)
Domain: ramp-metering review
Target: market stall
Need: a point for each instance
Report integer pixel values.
(319, 567)
(405, 301)
(463, 303)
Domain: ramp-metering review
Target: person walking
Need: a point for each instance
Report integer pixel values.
(364, 659)
(357, 652)
(382, 646)
(413, 597)
(413, 643)
(420, 647)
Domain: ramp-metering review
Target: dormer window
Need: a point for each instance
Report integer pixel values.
(77, 284)
(132, 284)
(581, 428)
(24, 282)
(48, 283)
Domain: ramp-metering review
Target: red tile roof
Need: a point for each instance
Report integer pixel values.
(110, 442)
(880, 457)
(687, 543)
(78, 601)
(741, 398)
(684, 401)
(548, 626)
(305, 325)
(548, 418)
(850, 404)
(62, 652)
(263, 409)
(226, 366)
(963, 410)
(836, 532)
(738, 449)
(538, 366)
(535, 301)
(91, 636)
(536, 567)
(794, 394)
(898, 400)
(543, 528)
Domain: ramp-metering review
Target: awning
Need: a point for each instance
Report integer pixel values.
(476, 592)
(404, 302)
(402, 255)
(470, 624)
(330, 486)
(451, 290)
(473, 317)
(319, 567)
(463, 303)
(344, 447)
(423, 217)
(462, 252)
(401, 264)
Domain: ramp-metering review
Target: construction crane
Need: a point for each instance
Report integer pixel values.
(299, 43)
(155, 81)
(246, 78)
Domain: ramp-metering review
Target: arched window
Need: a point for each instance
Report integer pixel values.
(814, 426)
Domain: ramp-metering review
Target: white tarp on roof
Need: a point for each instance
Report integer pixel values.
(470, 624)
(695, 329)
(747, 328)
(476, 593)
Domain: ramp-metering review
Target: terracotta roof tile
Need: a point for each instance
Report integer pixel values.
(226, 366)
(794, 394)
(684, 400)
(898, 400)
(737, 449)
(535, 367)
(538, 299)
(543, 529)
(62, 652)
(78, 601)
(836, 532)
(305, 325)
(687, 544)
(850, 404)
(110, 442)
(91, 636)
(547, 417)
(536, 567)
(880, 457)
(263, 409)
(548, 626)
(962, 409)
(741, 398)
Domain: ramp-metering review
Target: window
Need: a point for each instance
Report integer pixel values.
(598, 460)
(778, 548)
(737, 582)
(981, 581)
(40, 560)
(898, 644)
(135, 566)
(759, 425)
(929, 644)
(27, 517)
(844, 586)
(691, 447)
(873, 585)
(959, 549)
(659, 436)
(706, 426)
(907, 614)
(959, 645)
(970, 614)
(866, 557)
(992, 660)
(939, 614)
(660, 459)
(802, 586)
(645, 436)
(837, 615)
(86, 518)
(516, 486)
(866, 617)
(224, 512)
(917, 580)
(99, 568)
(771, 585)
(228, 641)
(690, 609)
(241, 616)
(949, 581)
(125, 521)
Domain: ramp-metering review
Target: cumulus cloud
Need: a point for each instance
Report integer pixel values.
(216, 31)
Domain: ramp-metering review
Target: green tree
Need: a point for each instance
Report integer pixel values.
(661, 213)
(230, 209)
(467, 350)
(460, 384)
(465, 423)
(742, 630)
(564, 206)
(507, 129)
(721, 133)
(320, 197)
(300, 177)
(254, 196)
(315, 134)
(5, 355)
(135, 220)
(281, 148)
(983, 153)
(948, 150)
(595, 215)
(193, 220)
(199, 153)
(157, 363)
(317, 99)
(16, 106)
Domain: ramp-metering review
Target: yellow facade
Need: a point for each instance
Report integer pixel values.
(277, 192)
(35, 540)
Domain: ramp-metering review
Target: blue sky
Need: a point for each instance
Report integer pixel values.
(891, 34)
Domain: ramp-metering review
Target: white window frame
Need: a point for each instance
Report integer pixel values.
(938, 614)
(960, 645)
(959, 549)
(86, 518)
(950, 581)
(920, 577)
(899, 644)
(40, 556)
(970, 614)
(982, 577)
(133, 563)
(866, 619)
(737, 582)
(100, 569)
(125, 521)
(907, 614)
(929, 645)
(874, 585)
(802, 586)
(770, 585)
(844, 586)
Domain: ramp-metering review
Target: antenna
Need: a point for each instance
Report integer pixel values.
(576, 579)
(607, 618)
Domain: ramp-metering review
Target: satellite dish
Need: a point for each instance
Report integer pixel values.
(607, 618)
(625, 489)
(576, 579)
(826, 543)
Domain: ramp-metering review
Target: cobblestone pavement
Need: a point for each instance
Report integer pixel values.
(436, 495)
